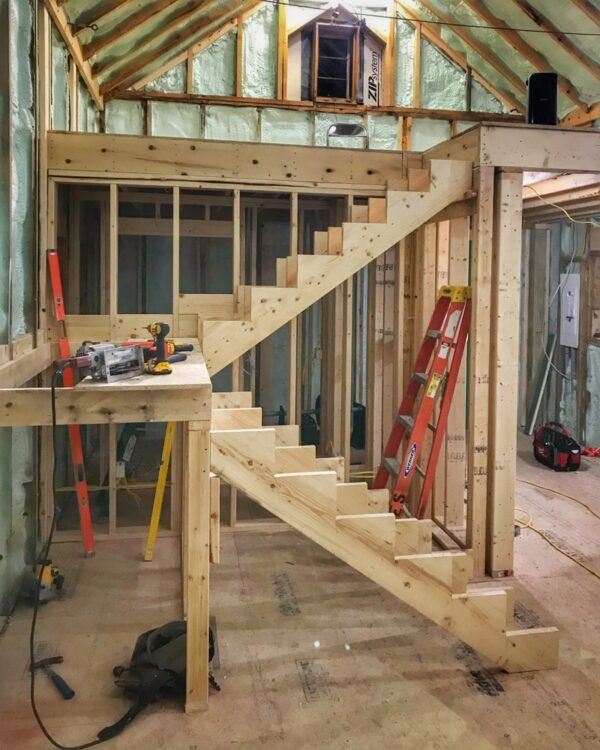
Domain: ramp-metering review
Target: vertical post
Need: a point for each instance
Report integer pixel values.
(43, 98)
(454, 505)
(112, 479)
(504, 371)
(347, 300)
(190, 71)
(176, 197)
(73, 96)
(239, 57)
(293, 365)
(389, 58)
(523, 332)
(417, 67)
(282, 51)
(399, 315)
(113, 252)
(197, 545)
(479, 376)
(375, 365)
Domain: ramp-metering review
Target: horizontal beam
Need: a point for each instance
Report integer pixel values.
(224, 161)
(24, 368)
(310, 106)
(23, 407)
(579, 117)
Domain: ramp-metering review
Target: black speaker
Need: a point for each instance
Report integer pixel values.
(542, 99)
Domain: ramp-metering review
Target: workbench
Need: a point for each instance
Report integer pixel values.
(183, 396)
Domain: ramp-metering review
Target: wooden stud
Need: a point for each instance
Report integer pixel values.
(504, 372)
(456, 457)
(61, 22)
(73, 96)
(481, 269)
(113, 250)
(293, 364)
(197, 542)
(389, 58)
(282, 51)
(416, 97)
(175, 230)
(239, 57)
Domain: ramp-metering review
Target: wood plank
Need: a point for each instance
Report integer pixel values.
(412, 536)
(231, 400)
(25, 367)
(504, 372)
(197, 541)
(221, 161)
(63, 25)
(295, 458)
(375, 530)
(215, 519)
(236, 419)
(479, 376)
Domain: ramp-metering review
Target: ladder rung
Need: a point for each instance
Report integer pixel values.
(433, 334)
(431, 427)
(392, 465)
(406, 421)
(420, 471)
(421, 377)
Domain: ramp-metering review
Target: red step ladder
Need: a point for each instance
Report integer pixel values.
(436, 372)
(81, 488)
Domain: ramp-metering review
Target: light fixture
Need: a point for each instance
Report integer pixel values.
(347, 130)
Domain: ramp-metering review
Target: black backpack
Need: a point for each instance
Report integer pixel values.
(157, 665)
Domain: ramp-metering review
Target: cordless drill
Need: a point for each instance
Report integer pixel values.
(159, 365)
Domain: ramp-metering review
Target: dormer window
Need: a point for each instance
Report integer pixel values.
(335, 57)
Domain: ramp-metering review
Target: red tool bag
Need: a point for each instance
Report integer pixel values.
(554, 447)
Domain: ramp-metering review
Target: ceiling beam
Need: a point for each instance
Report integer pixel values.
(542, 22)
(479, 48)
(193, 51)
(133, 22)
(107, 9)
(590, 11)
(578, 117)
(531, 55)
(175, 26)
(194, 33)
(62, 24)
(432, 36)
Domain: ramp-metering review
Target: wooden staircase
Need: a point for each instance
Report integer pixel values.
(338, 254)
(352, 522)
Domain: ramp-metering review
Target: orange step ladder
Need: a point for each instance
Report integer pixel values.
(81, 488)
(435, 375)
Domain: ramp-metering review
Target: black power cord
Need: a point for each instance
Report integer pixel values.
(45, 555)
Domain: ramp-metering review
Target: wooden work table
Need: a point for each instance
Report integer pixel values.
(183, 396)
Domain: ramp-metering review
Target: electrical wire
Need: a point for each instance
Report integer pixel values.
(36, 602)
(528, 524)
(434, 22)
(590, 222)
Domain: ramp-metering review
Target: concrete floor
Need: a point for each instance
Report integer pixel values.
(313, 655)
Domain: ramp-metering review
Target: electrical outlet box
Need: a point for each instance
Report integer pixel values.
(120, 470)
(569, 310)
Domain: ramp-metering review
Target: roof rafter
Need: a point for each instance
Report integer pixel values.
(126, 27)
(578, 117)
(590, 11)
(61, 21)
(176, 24)
(479, 48)
(192, 35)
(542, 22)
(194, 50)
(523, 48)
(433, 36)
(102, 13)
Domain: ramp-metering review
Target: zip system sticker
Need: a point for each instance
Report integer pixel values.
(433, 386)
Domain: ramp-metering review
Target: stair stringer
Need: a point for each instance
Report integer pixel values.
(245, 459)
(269, 308)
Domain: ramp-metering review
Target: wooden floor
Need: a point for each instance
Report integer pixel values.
(312, 655)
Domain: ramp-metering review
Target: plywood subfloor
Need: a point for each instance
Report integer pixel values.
(313, 655)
